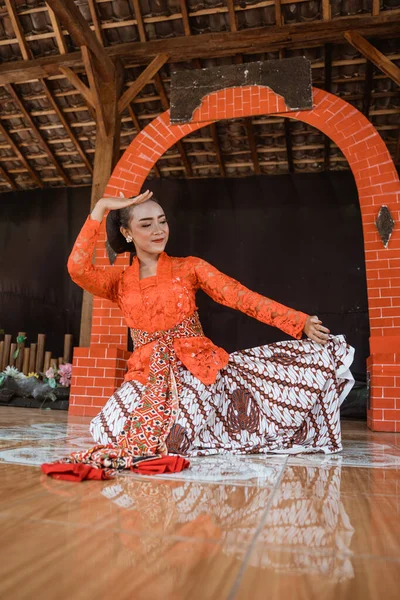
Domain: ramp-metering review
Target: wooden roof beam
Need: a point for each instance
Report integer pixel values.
(66, 126)
(374, 55)
(139, 20)
(19, 156)
(60, 38)
(252, 144)
(185, 17)
(143, 79)
(328, 88)
(37, 133)
(19, 34)
(96, 21)
(369, 77)
(214, 135)
(278, 13)
(95, 89)
(232, 15)
(71, 17)
(6, 176)
(247, 41)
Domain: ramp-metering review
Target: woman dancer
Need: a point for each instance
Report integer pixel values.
(182, 394)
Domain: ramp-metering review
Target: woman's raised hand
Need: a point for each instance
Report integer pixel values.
(316, 331)
(105, 204)
(117, 203)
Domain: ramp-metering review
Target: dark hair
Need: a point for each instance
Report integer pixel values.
(115, 220)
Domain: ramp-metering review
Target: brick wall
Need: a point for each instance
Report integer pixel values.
(377, 183)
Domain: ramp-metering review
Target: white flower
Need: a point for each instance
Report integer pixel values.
(13, 372)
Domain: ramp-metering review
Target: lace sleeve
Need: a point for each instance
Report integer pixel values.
(229, 292)
(96, 280)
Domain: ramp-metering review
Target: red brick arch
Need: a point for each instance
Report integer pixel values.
(377, 183)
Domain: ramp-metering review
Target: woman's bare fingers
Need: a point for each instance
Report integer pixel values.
(323, 329)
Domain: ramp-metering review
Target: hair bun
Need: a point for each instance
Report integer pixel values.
(114, 236)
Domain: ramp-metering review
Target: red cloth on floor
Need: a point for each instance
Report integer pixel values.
(157, 466)
(80, 471)
(73, 472)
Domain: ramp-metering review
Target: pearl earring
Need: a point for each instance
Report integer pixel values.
(129, 239)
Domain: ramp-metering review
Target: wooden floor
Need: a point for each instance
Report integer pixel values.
(272, 527)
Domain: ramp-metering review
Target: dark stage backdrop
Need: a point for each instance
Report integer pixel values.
(295, 238)
(37, 231)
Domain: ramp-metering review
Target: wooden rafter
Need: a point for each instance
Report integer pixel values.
(252, 144)
(96, 21)
(60, 38)
(139, 20)
(369, 77)
(326, 10)
(232, 15)
(289, 145)
(138, 128)
(78, 84)
(214, 135)
(19, 156)
(19, 34)
(185, 17)
(278, 13)
(66, 126)
(95, 88)
(247, 41)
(6, 176)
(71, 17)
(165, 104)
(328, 88)
(36, 131)
(374, 55)
(141, 81)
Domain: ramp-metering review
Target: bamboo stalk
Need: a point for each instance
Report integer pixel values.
(6, 352)
(60, 361)
(20, 347)
(11, 359)
(25, 365)
(68, 347)
(54, 363)
(47, 359)
(32, 358)
(40, 352)
(1, 354)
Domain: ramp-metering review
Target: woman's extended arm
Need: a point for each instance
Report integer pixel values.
(97, 281)
(229, 292)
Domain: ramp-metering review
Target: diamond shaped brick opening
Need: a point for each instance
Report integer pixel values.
(384, 224)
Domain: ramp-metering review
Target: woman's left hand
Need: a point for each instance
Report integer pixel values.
(316, 331)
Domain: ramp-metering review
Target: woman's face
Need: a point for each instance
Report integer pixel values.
(148, 228)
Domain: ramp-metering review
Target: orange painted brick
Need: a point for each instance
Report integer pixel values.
(85, 362)
(80, 351)
(383, 403)
(80, 371)
(95, 391)
(389, 426)
(97, 352)
(91, 411)
(391, 415)
(376, 414)
(76, 411)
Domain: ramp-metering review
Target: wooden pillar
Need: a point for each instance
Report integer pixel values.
(105, 158)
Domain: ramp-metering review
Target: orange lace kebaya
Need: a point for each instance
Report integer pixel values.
(162, 301)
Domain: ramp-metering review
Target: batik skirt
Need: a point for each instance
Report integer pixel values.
(283, 397)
